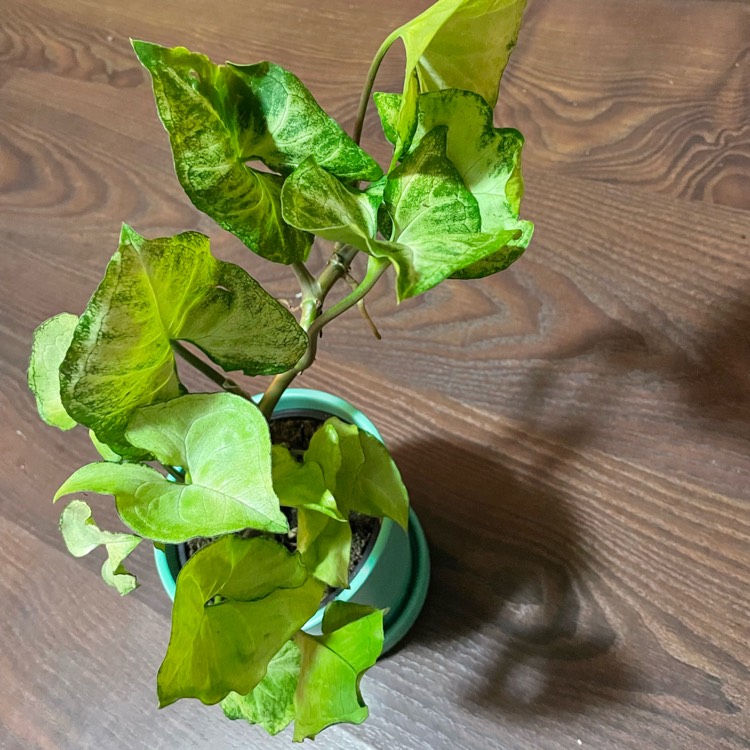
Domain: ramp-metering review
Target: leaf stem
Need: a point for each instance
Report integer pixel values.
(372, 73)
(308, 284)
(313, 323)
(178, 475)
(375, 269)
(210, 372)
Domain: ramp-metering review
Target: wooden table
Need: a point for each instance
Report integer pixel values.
(574, 432)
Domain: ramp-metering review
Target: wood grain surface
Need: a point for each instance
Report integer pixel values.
(574, 432)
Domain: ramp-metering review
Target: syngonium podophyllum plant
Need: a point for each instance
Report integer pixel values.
(184, 465)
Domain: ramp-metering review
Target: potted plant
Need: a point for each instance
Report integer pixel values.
(248, 628)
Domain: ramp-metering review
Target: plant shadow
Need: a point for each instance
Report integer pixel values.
(512, 580)
(509, 580)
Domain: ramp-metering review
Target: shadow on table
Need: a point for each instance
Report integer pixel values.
(510, 575)
(715, 380)
(508, 580)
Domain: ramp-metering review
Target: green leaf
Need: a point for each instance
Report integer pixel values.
(104, 450)
(488, 159)
(300, 484)
(344, 469)
(154, 292)
(324, 537)
(315, 200)
(290, 126)
(219, 117)
(264, 596)
(325, 545)
(271, 703)
(359, 471)
(81, 536)
(455, 44)
(332, 667)
(222, 442)
(51, 341)
(435, 219)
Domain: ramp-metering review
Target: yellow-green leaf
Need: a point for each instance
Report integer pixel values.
(488, 159)
(82, 535)
(455, 44)
(222, 442)
(51, 341)
(238, 601)
(271, 702)
(332, 668)
(155, 292)
(221, 117)
(435, 220)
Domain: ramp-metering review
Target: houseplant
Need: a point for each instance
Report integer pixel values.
(182, 466)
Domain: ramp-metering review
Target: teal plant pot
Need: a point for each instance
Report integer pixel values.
(394, 575)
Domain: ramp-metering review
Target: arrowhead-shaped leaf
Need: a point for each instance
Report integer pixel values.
(488, 159)
(455, 44)
(435, 220)
(238, 601)
(359, 471)
(51, 341)
(154, 292)
(271, 703)
(315, 679)
(332, 667)
(314, 199)
(81, 536)
(219, 117)
(290, 126)
(222, 442)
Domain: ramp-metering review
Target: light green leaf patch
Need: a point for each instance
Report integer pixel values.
(488, 159)
(315, 679)
(313, 198)
(271, 703)
(238, 601)
(82, 535)
(324, 536)
(103, 449)
(455, 44)
(222, 442)
(51, 341)
(290, 126)
(345, 469)
(332, 667)
(219, 117)
(359, 472)
(154, 292)
(435, 220)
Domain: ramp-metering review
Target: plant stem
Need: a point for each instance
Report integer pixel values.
(308, 284)
(337, 267)
(210, 372)
(364, 100)
(375, 269)
(179, 476)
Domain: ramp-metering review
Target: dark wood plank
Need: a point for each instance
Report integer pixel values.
(574, 432)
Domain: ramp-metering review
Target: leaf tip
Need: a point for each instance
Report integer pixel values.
(128, 236)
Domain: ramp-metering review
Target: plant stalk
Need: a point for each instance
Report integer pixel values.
(372, 73)
(337, 267)
(210, 372)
